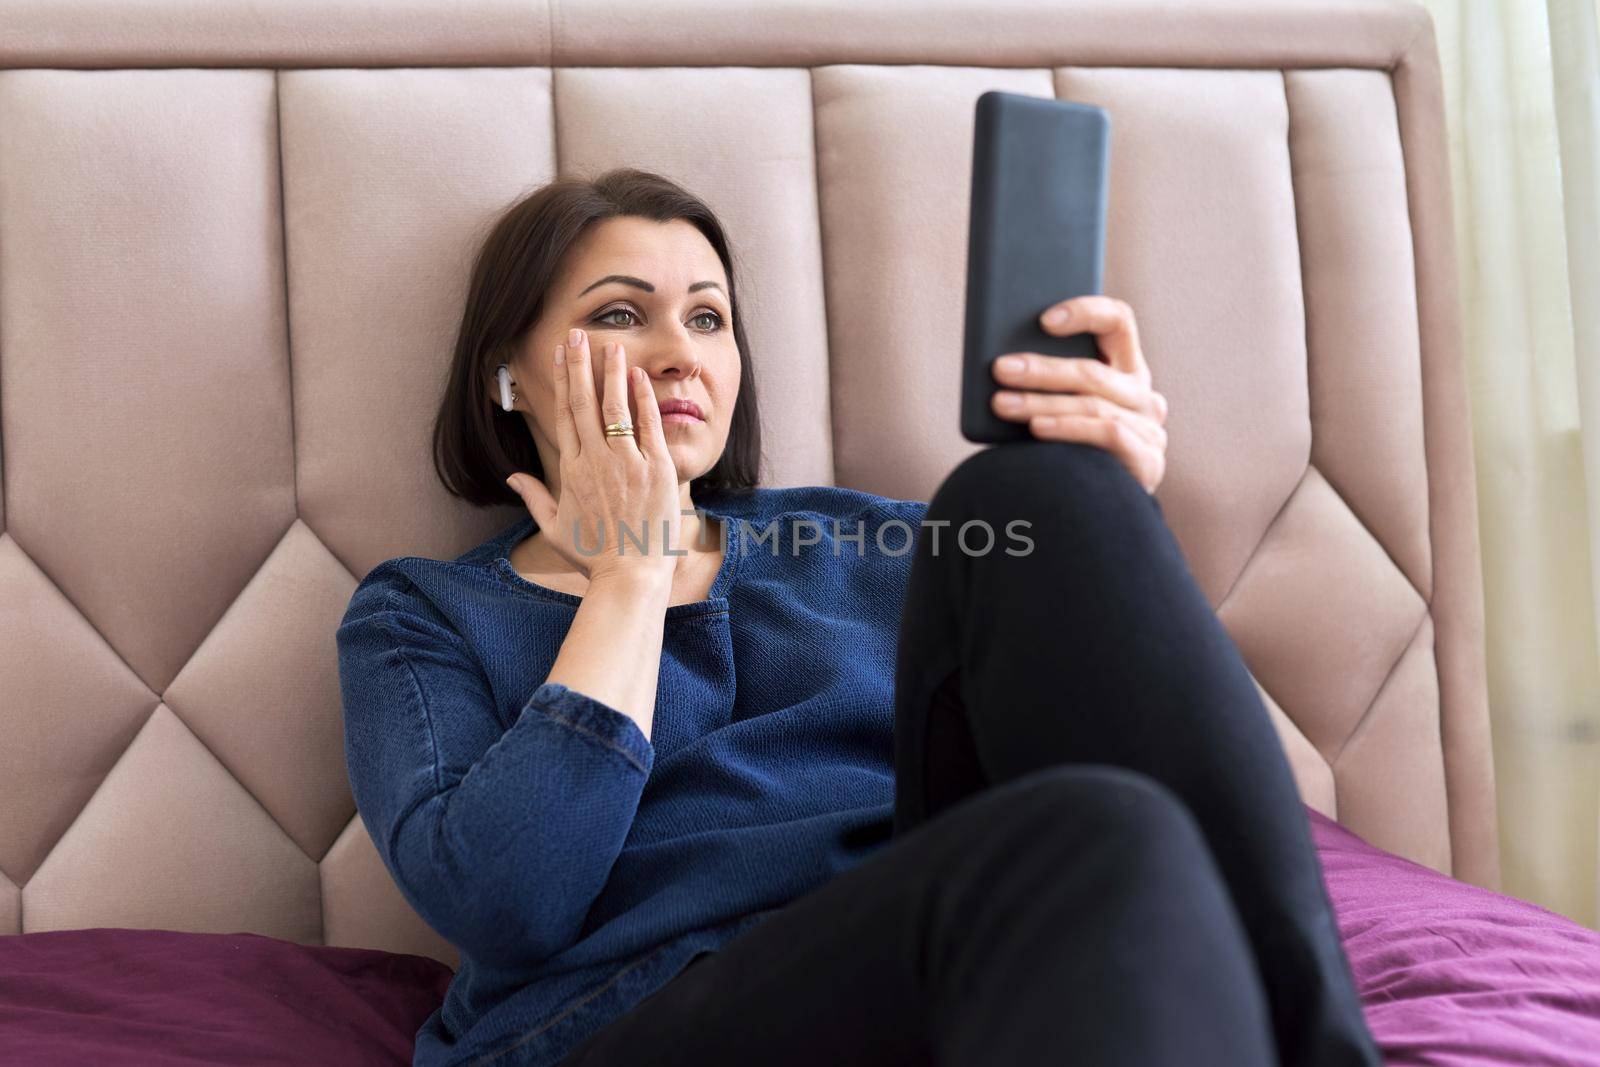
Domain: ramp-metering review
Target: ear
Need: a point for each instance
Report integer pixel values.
(494, 385)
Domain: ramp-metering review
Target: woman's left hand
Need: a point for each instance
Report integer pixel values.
(1069, 398)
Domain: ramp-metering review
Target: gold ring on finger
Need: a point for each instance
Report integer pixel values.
(619, 429)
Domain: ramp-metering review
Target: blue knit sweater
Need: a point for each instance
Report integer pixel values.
(576, 864)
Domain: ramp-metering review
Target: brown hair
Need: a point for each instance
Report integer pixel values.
(476, 443)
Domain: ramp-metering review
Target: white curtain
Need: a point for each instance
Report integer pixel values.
(1522, 91)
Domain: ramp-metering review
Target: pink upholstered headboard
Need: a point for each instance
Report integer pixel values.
(233, 244)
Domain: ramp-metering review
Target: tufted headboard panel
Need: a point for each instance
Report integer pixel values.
(233, 247)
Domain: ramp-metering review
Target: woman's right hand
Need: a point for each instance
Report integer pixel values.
(608, 482)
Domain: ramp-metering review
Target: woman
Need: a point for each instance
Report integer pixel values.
(693, 771)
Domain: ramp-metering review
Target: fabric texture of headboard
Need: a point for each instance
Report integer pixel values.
(233, 248)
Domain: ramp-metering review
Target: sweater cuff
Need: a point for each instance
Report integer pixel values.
(600, 722)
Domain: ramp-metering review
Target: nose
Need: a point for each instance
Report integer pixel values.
(668, 356)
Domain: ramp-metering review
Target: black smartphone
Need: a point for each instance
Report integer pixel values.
(1036, 237)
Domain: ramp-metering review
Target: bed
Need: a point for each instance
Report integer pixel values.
(233, 238)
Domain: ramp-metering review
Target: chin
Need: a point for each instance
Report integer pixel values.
(688, 460)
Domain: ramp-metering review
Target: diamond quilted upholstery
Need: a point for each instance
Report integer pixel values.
(233, 243)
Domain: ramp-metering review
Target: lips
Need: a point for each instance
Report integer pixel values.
(680, 406)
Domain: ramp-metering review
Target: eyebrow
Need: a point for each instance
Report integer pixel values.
(640, 283)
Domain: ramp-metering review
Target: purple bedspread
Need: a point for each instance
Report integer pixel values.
(1451, 975)
(1455, 975)
(160, 998)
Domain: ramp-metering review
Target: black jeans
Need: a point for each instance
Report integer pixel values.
(1099, 853)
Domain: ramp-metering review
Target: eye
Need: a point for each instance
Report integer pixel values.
(716, 319)
(613, 311)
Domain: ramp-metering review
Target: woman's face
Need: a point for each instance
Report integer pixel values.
(644, 285)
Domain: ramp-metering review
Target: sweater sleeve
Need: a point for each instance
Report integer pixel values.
(500, 839)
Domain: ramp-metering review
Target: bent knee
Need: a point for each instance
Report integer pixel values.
(1107, 836)
(1114, 806)
(1018, 479)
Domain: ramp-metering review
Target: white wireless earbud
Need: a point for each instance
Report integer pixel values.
(507, 397)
